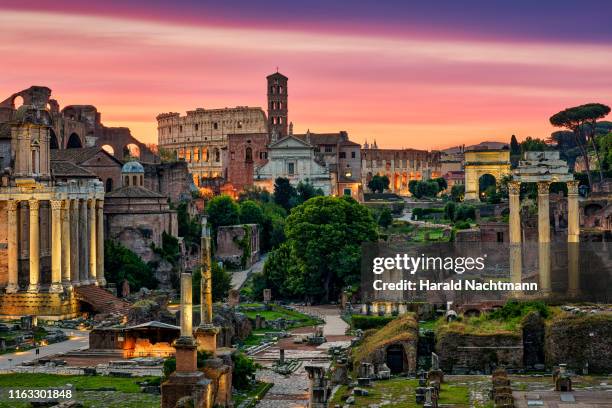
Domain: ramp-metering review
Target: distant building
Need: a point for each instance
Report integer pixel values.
(399, 165)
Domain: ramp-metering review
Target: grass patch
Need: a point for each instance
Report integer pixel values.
(255, 393)
(80, 382)
(400, 393)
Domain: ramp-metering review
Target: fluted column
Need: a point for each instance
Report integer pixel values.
(56, 247)
(92, 241)
(544, 236)
(34, 247)
(186, 305)
(75, 243)
(206, 282)
(100, 243)
(13, 282)
(573, 239)
(516, 255)
(66, 264)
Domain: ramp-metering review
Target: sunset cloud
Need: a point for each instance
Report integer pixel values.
(422, 91)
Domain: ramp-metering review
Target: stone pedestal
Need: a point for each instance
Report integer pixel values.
(180, 385)
(206, 338)
(220, 375)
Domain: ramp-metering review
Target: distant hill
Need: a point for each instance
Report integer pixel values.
(479, 146)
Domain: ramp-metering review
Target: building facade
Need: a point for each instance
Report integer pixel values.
(400, 166)
(51, 222)
(199, 137)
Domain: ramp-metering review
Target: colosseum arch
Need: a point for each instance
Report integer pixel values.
(131, 150)
(478, 163)
(74, 142)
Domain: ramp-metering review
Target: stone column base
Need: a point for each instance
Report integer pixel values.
(14, 288)
(180, 385)
(56, 288)
(33, 288)
(101, 282)
(206, 338)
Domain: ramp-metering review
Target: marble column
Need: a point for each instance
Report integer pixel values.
(75, 242)
(573, 239)
(34, 252)
(206, 282)
(100, 243)
(93, 235)
(186, 305)
(56, 247)
(13, 263)
(516, 253)
(66, 263)
(544, 236)
(84, 243)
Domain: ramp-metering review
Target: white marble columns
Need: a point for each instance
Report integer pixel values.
(91, 221)
(56, 247)
(34, 246)
(100, 242)
(13, 268)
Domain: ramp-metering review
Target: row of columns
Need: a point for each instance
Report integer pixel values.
(386, 308)
(77, 244)
(573, 229)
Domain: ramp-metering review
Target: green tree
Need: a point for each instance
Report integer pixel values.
(449, 210)
(221, 283)
(378, 184)
(324, 236)
(222, 210)
(385, 219)
(244, 370)
(281, 274)
(284, 193)
(465, 212)
(254, 193)
(605, 147)
(442, 184)
(458, 192)
(305, 191)
(188, 227)
(251, 213)
(273, 230)
(582, 120)
(122, 264)
(534, 145)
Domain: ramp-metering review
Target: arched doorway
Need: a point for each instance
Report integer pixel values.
(487, 185)
(395, 358)
(109, 185)
(131, 151)
(53, 144)
(74, 142)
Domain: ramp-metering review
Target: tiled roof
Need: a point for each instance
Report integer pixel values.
(133, 192)
(75, 155)
(321, 138)
(68, 169)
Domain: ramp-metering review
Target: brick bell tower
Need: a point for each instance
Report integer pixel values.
(277, 104)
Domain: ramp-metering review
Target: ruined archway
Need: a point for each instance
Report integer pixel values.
(18, 101)
(480, 162)
(131, 150)
(108, 149)
(74, 142)
(486, 185)
(53, 143)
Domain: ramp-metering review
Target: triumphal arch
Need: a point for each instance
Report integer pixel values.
(479, 163)
(51, 221)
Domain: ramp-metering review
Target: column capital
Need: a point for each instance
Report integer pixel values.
(514, 187)
(56, 204)
(12, 205)
(34, 204)
(572, 187)
(543, 187)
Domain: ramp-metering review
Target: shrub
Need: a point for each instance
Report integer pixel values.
(462, 225)
(244, 371)
(465, 212)
(370, 322)
(513, 309)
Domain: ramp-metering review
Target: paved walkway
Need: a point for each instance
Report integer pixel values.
(79, 339)
(238, 278)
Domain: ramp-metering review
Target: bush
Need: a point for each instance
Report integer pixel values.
(370, 322)
(244, 371)
(465, 212)
(462, 225)
(420, 213)
(385, 219)
(449, 210)
(513, 309)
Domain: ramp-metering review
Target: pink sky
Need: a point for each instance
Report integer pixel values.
(404, 90)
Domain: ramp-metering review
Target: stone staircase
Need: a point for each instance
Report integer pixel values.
(101, 300)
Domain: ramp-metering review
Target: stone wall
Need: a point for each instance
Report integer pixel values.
(169, 179)
(471, 353)
(579, 339)
(245, 152)
(229, 247)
